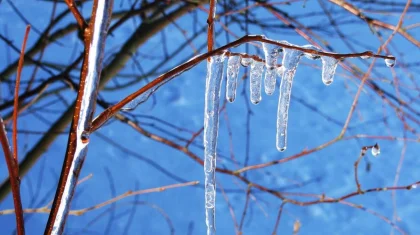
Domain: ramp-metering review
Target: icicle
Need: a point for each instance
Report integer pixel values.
(257, 69)
(290, 62)
(329, 64)
(233, 65)
(390, 62)
(271, 53)
(211, 126)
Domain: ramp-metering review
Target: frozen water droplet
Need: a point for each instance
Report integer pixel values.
(414, 186)
(246, 62)
(271, 53)
(233, 65)
(310, 55)
(390, 62)
(375, 150)
(329, 65)
(257, 69)
(365, 57)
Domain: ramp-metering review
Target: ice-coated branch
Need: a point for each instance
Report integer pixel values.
(94, 42)
(111, 111)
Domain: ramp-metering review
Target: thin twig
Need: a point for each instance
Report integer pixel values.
(108, 202)
(14, 179)
(16, 97)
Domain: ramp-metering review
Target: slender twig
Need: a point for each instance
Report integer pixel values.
(278, 218)
(210, 23)
(14, 179)
(356, 164)
(105, 203)
(16, 97)
(94, 41)
(79, 18)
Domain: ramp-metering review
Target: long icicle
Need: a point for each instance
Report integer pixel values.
(290, 62)
(211, 127)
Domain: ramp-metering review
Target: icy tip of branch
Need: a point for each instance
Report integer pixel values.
(376, 150)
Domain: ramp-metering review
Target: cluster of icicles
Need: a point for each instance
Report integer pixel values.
(215, 69)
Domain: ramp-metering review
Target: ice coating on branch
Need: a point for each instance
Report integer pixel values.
(257, 69)
(137, 101)
(310, 55)
(290, 62)
(271, 53)
(211, 127)
(233, 66)
(329, 64)
(375, 150)
(246, 62)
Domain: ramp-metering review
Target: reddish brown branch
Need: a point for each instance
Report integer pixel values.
(79, 18)
(14, 179)
(356, 164)
(16, 97)
(210, 23)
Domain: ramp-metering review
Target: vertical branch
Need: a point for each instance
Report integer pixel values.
(210, 23)
(94, 42)
(14, 179)
(16, 99)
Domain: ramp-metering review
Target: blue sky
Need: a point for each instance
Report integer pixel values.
(181, 103)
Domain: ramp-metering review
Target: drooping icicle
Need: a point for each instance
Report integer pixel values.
(290, 62)
(255, 77)
(211, 126)
(329, 64)
(271, 53)
(233, 65)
